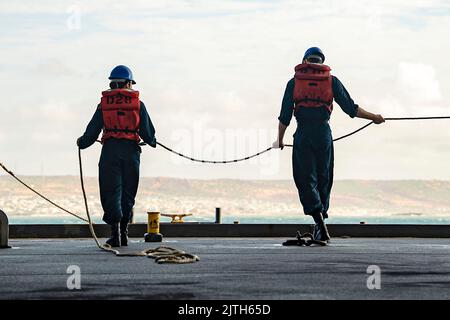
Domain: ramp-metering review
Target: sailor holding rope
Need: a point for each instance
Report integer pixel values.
(309, 97)
(124, 121)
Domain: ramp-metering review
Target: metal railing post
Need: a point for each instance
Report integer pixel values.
(218, 215)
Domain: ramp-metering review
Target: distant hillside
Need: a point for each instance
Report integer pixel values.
(236, 197)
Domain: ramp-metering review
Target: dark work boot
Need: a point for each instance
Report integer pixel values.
(124, 234)
(114, 241)
(320, 229)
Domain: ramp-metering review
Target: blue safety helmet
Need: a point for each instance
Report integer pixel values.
(314, 51)
(122, 72)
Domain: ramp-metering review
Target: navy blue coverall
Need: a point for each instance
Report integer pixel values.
(118, 166)
(313, 154)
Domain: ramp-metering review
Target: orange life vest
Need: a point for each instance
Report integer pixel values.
(121, 114)
(313, 86)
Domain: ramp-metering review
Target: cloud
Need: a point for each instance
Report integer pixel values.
(415, 91)
(51, 111)
(46, 138)
(418, 83)
(54, 68)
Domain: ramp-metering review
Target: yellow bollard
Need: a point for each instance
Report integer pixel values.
(153, 234)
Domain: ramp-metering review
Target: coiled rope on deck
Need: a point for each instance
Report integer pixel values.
(305, 239)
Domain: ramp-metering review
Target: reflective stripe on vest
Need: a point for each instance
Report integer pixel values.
(313, 86)
(121, 114)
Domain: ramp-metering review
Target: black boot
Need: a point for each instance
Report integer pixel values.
(320, 229)
(124, 233)
(114, 241)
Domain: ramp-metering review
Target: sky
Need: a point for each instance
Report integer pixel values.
(212, 75)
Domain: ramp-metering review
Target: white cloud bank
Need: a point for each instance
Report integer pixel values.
(418, 82)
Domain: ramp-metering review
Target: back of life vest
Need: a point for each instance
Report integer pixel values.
(121, 114)
(313, 87)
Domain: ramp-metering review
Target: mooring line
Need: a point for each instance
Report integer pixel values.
(40, 194)
(89, 220)
(290, 145)
(214, 161)
(418, 118)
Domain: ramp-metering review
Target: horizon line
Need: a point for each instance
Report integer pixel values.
(224, 179)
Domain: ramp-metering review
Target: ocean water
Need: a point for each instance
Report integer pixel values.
(403, 219)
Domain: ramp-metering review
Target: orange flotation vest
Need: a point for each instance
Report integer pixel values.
(313, 86)
(121, 114)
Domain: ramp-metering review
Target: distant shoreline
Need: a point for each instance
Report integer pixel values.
(251, 220)
(250, 200)
(3, 175)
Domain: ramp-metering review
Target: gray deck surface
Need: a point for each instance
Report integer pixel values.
(230, 268)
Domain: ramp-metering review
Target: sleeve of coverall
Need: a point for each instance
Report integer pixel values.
(343, 99)
(287, 106)
(146, 128)
(93, 130)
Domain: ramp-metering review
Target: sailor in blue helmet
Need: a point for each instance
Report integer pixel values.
(124, 120)
(309, 97)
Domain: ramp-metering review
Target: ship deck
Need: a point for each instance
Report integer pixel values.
(230, 268)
